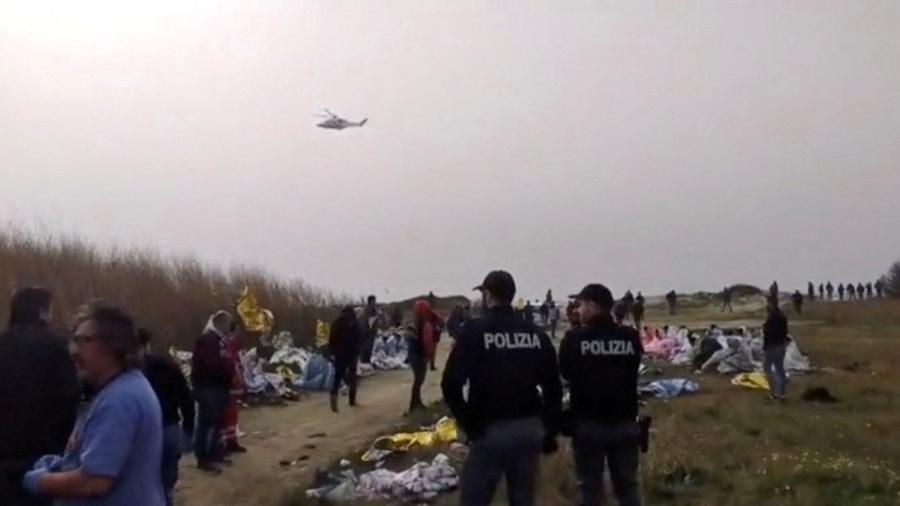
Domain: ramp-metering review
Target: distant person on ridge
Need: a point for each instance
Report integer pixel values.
(830, 289)
(773, 290)
(840, 291)
(851, 291)
(860, 289)
(553, 316)
(343, 344)
(529, 312)
(797, 300)
(869, 290)
(821, 291)
(39, 393)
(811, 291)
(672, 302)
(726, 300)
(637, 311)
(879, 288)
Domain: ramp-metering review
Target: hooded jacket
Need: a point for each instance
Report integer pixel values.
(425, 336)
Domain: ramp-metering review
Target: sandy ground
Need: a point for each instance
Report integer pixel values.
(283, 433)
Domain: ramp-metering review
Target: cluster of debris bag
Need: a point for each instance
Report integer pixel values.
(278, 368)
(421, 482)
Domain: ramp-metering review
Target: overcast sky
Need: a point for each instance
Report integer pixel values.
(647, 145)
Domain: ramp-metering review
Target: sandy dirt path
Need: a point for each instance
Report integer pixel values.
(282, 433)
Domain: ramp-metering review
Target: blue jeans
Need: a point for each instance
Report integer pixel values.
(598, 445)
(511, 448)
(773, 366)
(171, 454)
(211, 404)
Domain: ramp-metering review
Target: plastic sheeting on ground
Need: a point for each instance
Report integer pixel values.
(755, 380)
(422, 482)
(389, 352)
(444, 431)
(669, 388)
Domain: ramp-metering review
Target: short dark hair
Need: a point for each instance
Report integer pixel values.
(26, 306)
(115, 328)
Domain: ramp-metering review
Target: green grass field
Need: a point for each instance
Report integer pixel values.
(728, 445)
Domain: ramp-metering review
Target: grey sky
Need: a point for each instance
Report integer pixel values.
(647, 145)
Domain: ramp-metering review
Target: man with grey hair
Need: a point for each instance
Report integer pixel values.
(115, 451)
(211, 376)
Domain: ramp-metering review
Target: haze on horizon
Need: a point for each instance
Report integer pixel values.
(647, 145)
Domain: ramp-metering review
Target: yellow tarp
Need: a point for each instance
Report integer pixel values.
(444, 432)
(751, 380)
(323, 332)
(254, 317)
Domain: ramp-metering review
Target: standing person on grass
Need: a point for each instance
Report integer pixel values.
(601, 361)
(512, 411)
(39, 393)
(343, 344)
(421, 350)
(212, 374)
(775, 341)
(114, 455)
(177, 406)
(235, 394)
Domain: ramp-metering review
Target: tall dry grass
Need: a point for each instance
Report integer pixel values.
(171, 296)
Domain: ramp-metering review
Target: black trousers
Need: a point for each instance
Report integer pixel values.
(345, 369)
(598, 446)
(419, 367)
(211, 403)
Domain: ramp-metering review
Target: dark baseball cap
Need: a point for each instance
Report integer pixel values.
(596, 293)
(500, 284)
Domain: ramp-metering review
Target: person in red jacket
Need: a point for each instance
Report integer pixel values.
(421, 349)
(230, 418)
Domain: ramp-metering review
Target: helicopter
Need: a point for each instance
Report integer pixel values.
(335, 122)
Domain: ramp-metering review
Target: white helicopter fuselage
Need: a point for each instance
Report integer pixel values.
(340, 123)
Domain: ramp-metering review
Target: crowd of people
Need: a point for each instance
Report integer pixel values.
(103, 420)
(98, 418)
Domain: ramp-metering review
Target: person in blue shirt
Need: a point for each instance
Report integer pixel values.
(114, 454)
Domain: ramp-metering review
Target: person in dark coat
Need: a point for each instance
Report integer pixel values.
(177, 403)
(797, 300)
(343, 344)
(775, 342)
(860, 290)
(840, 291)
(811, 291)
(821, 291)
(212, 373)
(879, 288)
(868, 290)
(672, 302)
(830, 289)
(39, 393)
